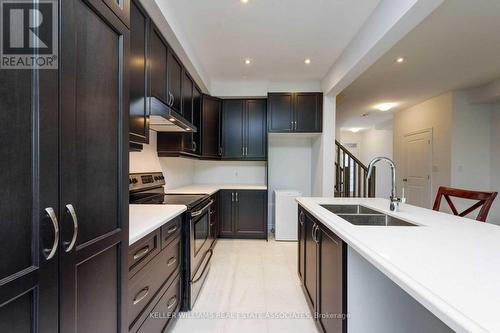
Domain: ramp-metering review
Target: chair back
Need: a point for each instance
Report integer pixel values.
(484, 201)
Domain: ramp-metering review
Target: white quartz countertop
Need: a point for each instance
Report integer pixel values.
(144, 219)
(451, 265)
(212, 188)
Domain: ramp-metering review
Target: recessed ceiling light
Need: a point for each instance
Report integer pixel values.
(248, 61)
(172, 119)
(400, 60)
(244, 1)
(307, 61)
(188, 129)
(385, 106)
(355, 129)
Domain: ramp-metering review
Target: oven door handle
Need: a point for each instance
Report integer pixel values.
(199, 212)
(210, 253)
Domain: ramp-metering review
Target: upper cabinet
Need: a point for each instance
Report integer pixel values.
(210, 127)
(139, 86)
(158, 65)
(197, 119)
(295, 112)
(244, 129)
(174, 82)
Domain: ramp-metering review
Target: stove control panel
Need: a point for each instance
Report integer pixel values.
(143, 181)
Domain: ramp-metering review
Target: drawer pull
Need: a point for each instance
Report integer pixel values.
(141, 253)
(141, 295)
(172, 230)
(171, 302)
(171, 261)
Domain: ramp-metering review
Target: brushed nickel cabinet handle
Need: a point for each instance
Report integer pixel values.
(171, 302)
(232, 196)
(301, 217)
(141, 253)
(72, 212)
(237, 200)
(171, 261)
(52, 215)
(172, 230)
(142, 294)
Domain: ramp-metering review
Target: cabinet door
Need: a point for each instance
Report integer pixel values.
(233, 113)
(331, 272)
(251, 218)
(174, 75)
(29, 178)
(280, 112)
(255, 139)
(301, 244)
(311, 263)
(187, 110)
(93, 168)
(210, 127)
(226, 228)
(308, 112)
(197, 120)
(139, 112)
(158, 66)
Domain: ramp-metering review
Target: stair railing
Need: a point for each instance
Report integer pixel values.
(350, 175)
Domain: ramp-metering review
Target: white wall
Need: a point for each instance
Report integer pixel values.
(185, 171)
(470, 146)
(290, 162)
(373, 142)
(494, 215)
(229, 172)
(435, 114)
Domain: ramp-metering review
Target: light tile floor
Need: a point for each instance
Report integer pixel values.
(250, 278)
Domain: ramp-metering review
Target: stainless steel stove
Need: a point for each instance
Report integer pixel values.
(148, 188)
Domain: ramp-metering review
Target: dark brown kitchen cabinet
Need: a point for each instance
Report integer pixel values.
(187, 111)
(210, 127)
(64, 210)
(214, 219)
(197, 96)
(158, 66)
(244, 129)
(295, 112)
(323, 272)
(93, 166)
(29, 255)
(139, 75)
(174, 82)
(243, 214)
(301, 235)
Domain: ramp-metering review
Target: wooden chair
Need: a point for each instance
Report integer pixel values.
(485, 199)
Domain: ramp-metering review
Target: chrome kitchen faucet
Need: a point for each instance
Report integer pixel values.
(395, 201)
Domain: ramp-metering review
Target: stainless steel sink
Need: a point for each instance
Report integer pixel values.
(361, 215)
(349, 209)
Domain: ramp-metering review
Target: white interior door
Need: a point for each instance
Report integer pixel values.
(417, 168)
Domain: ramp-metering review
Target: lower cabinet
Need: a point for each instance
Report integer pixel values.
(322, 269)
(154, 296)
(214, 220)
(243, 214)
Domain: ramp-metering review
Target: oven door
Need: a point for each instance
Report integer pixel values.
(201, 253)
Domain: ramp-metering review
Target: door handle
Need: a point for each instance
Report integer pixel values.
(237, 200)
(171, 230)
(405, 179)
(232, 196)
(301, 217)
(171, 261)
(52, 215)
(72, 212)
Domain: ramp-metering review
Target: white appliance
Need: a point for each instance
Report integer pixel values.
(285, 214)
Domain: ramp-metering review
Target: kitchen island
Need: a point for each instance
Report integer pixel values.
(438, 276)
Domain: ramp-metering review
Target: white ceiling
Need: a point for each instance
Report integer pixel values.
(456, 47)
(277, 35)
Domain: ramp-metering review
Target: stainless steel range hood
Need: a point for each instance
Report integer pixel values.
(164, 119)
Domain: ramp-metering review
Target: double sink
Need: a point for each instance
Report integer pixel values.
(364, 216)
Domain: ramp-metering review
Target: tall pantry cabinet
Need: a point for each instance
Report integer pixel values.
(64, 203)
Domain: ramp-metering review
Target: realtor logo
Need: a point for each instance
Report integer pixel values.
(29, 34)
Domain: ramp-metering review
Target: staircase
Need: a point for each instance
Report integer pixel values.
(350, 175)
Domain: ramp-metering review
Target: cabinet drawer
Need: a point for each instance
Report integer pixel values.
(164, 310)
(170, 230)
(140, 253)
(145, 284)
